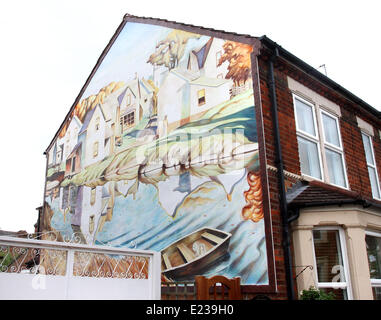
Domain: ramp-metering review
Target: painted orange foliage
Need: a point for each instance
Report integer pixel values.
(254, 208)
(90, 102)
(238, 55)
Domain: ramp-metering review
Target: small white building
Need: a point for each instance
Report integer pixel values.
(89, 212)
(93, 136)
(136, 102)
(52, 155)
(65, 145)
(205, 60)
(187, 93)
(63, 148)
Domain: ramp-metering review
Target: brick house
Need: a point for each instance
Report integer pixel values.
(317, 164)
(330, 156)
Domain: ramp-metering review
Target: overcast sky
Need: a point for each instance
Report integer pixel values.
(48, 49)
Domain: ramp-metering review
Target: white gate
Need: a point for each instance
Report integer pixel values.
(37, 269)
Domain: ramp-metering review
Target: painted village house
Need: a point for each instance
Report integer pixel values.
(230, 156)
(202, 82)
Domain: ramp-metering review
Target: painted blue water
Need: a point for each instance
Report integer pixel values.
(143, 224)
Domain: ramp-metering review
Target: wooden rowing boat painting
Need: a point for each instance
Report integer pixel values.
(194, 253)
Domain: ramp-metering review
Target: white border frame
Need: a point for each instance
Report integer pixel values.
(295, 97)
(307, 136)
(320, 140)
(334, 148)
(330, 115)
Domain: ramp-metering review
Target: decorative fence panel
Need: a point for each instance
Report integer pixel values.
(39, 269)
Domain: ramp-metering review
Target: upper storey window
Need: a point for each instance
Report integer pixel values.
(371, 164)
(320, 148)
(308, 139)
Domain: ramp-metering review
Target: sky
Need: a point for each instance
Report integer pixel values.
(49, 48)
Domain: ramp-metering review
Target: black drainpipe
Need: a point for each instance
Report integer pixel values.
(282, 190)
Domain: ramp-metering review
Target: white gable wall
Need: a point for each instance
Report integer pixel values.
(70, 138)
(125, 106)
(51, 155)
(146, 103)
(193, 63)
(170, 100)
(210, 67)
(213, 97)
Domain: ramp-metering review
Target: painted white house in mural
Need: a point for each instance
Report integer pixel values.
(204, 60)
(68, 156)
(64, 145)
(125, 108)
(97, 138)
(136, 102)
(67, 143)
(92, 135)
(186, 93)
(52, 156)
(88, 211)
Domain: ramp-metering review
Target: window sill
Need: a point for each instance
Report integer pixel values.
(309, 179)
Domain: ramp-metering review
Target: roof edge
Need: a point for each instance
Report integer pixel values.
(318, 75)
(354, 197)
(189, 27)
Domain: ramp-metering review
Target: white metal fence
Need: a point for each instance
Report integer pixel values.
(39, 269)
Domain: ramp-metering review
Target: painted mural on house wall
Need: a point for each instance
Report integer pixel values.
(161, 153)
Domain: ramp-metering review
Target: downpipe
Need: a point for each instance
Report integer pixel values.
(281, 185)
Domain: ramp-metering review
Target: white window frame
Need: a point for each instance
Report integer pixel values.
(320, 140)
(374, 166)
(316, 137)
(307, 136)
(332, 147)
(344, 253)
(374, 282)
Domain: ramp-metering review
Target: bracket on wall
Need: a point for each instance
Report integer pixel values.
(304, 268)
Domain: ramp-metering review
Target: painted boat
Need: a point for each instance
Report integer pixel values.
(194, 253)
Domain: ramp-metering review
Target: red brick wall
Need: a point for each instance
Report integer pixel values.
(277, 237)
(351, 136)
(291, 163)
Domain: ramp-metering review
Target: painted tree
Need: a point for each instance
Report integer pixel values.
(170, 50)
(238, 56)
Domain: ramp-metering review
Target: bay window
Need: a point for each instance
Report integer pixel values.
(320, 148)
(373, 247)
(331, 267)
